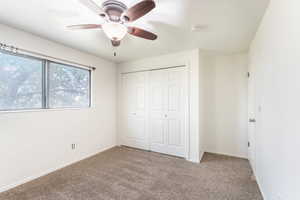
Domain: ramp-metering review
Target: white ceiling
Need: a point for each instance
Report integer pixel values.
(227, 25)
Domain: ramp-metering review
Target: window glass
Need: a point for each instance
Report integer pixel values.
(69, 87)
(20, 82)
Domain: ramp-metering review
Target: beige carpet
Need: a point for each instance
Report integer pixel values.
(128, 174)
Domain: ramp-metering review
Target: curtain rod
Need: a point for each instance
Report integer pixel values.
(14, 49)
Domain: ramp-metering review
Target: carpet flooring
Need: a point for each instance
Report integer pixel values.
(127, 174)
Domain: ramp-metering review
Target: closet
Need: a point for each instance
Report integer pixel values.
(154, 110)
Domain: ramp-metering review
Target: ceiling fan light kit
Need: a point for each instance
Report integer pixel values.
(114, 31)
(117, 15)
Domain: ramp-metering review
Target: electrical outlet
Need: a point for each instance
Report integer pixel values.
(73, 146)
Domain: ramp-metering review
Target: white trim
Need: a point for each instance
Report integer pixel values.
(201, 154)
(187, 110)
(42, 110)
(187, 114)
(30, 178)
(147, 112)
(259, 185)
(227, 154)
(194, 161)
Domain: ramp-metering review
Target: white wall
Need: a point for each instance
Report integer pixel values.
(35, 143)
(192, 59)
(225, 99)
(275, 61)
(218, 87)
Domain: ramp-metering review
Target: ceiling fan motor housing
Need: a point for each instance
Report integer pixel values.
(114, 9)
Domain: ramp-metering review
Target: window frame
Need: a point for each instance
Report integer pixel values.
(45, 84)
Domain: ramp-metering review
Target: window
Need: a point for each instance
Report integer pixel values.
(31, 83)
(20, 82)
(68, 86)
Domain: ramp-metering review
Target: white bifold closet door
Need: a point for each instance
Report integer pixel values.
(154, 111)
(167, 106)
(134, 119)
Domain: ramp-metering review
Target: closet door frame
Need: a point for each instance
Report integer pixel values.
(187, 106)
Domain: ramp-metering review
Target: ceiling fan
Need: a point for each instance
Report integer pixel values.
(117, 15)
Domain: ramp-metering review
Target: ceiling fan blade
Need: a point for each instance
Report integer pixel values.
(84, 26)
(139, 10)
(116, 43)
(90, 4)
(142, 33)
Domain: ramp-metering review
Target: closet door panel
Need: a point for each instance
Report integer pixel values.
(157, 101)
(174, 132)
(170, 111)
(134, 133)
(135, 128)
(175, 110)
(157, 130)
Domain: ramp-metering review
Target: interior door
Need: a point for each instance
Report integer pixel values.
(167, 106)
(134, 133)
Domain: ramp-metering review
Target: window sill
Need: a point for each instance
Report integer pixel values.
(43, 110)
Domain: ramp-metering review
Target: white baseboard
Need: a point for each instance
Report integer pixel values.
(228, 154)
(28, 179)
(259, 185)
(201, 156)
(193, 160)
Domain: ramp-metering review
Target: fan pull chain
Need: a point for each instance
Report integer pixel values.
(115, 49)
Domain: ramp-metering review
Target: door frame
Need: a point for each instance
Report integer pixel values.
(252, 126)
